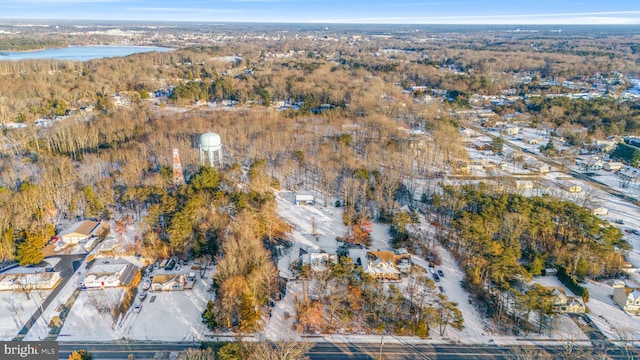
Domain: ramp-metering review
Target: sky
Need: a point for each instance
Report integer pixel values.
(588, 12)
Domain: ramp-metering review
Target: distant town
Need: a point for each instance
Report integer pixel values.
(237, 191)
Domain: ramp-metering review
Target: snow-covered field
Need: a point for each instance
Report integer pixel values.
(175, 315)
(168, 316)
(85, 321)
(16, 309)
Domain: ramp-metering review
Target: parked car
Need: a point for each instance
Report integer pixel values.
(142, 295)
(137, 308)
(635, 232)
(436, 277)
(618, 221)
(441, 273)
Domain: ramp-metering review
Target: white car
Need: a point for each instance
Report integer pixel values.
(137, 308)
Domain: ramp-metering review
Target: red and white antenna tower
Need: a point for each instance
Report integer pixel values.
(178, 175)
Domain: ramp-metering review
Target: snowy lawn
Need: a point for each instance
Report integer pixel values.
(90, 317)
(608, 316)
(16, 309)
(172, 316)
(475, 327)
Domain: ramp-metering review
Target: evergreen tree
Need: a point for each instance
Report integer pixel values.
(30, 249)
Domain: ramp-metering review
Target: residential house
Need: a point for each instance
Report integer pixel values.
(537, 167)
(44, 280)
(628, 299)
(319, 261)
(511, 130)
(566, 304)
(381, 270)
(524, 185)
(170, 282)
(466, 166)
(481, 145)
(605, 145)
(104, 274)
(386, 265)
(571, 187)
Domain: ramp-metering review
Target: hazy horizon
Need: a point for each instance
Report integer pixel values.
(461, 12)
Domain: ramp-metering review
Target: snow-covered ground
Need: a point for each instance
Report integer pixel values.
(85, 321)
(475, 327)
(16, 309)
(607, 315)
(283, 315)
(40, 332)
(164, 315)
(329, 225)
(175, 315)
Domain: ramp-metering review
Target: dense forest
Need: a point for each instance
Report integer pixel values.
(502, 240)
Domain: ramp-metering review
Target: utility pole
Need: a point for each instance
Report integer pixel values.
(381, 343)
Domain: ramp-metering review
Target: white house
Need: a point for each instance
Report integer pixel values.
(566, 304)
(600, 211)
(628, 299)
(524, 185)
(319, 261)
(571, 187)
(106, 274)
(35, 281)
(380, 269)
(170, 282)
(537, 167)
(383, 265)
(511, 130)
(304, 199)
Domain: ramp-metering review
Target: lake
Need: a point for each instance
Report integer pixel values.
(80, 53)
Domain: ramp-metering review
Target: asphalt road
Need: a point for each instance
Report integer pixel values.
(66, 268)
(353, 351)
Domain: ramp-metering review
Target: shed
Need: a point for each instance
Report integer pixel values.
(571, 187)
(612, 166)
(305, 199)
(600, 211)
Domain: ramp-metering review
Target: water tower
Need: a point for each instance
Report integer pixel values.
(211, 147)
